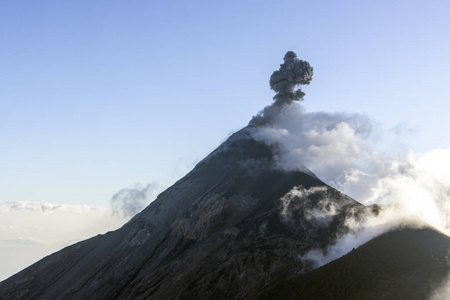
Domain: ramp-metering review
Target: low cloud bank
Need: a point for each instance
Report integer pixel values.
(32, 230)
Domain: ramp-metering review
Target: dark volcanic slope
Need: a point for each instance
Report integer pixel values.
(225, 230)
(402, 264)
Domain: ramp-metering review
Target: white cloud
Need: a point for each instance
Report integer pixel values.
(327, 144)
(347, 152)
(416, 186)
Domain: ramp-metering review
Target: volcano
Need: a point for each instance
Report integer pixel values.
(221, 231)
(232, 226)
(236, 227)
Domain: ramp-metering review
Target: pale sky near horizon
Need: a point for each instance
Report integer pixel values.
(97, 96)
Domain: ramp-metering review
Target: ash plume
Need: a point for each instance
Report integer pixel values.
(292, 72)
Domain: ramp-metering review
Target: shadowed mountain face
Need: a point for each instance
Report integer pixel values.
(403, 264)
(231, 226)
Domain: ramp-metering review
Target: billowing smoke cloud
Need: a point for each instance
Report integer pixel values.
(129, 201)
(342, 150)
(292, 72)
(329, 144)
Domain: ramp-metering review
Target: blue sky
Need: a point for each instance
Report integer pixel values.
(100, 95)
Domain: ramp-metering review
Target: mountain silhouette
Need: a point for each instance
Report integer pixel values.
(233, 225)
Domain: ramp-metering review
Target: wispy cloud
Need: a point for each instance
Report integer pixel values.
(129, 201)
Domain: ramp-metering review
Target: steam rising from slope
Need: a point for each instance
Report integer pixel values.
(129, 201)
(340, 150)
(328, 144)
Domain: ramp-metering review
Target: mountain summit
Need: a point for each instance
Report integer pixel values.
(228, 228)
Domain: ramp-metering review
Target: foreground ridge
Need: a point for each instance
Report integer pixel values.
(407, 263)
